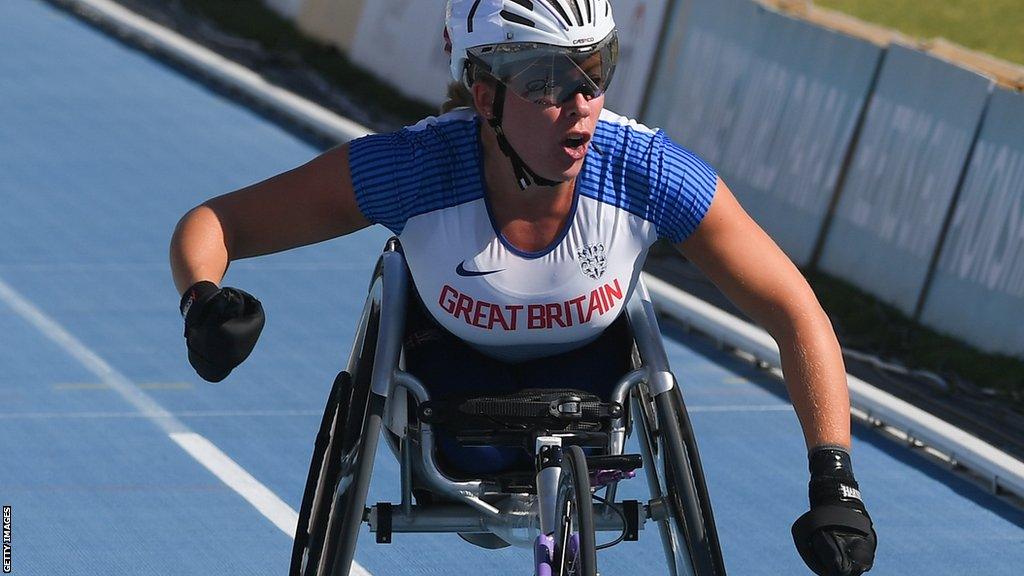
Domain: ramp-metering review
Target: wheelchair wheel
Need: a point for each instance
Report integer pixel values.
(326, 536)
(575, 541)
(323, 472)
(688, 530)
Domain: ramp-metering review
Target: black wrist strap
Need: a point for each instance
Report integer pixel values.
(832, 480)
(197, 292)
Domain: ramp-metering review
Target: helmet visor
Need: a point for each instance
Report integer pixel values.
(550, 75)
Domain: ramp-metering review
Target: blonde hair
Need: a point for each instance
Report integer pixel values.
(458, 97)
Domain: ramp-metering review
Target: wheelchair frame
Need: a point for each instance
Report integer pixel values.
(369, 400)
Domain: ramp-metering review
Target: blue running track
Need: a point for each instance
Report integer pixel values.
(102, 149)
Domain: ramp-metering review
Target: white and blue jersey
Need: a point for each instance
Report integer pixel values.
(425, 183)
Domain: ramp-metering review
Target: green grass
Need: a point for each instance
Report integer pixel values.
(865, 324)
(252, 20)
(992, 26)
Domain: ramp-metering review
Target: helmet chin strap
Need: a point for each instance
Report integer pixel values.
(524, 175)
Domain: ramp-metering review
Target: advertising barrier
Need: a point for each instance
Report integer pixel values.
(639, 24)
(977, 293)
(701, 72)
(913, 148)
(770, 101)
(402, 43)
(797, 115)
(331, 21)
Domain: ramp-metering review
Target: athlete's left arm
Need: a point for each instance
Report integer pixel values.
(751, 270)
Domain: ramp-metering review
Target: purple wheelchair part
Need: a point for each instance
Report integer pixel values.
(601, 478)
(544, 555)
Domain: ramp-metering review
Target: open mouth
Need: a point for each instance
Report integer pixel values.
(575, 141)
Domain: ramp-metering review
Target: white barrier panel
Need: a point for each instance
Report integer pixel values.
(639, 25)
(912, 150)
(702, 68)
(331, 21)
(402, 43)
(770, 101)
(978, 290)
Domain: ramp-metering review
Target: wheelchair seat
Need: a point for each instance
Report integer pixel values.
(510, 424)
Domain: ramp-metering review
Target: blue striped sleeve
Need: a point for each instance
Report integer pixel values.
(647, 174)
(377, 164)
(683, 186)
(427, 167)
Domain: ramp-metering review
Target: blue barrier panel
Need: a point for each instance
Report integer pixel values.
(912, 151)
(639, 26)
(701, 71)
(772, 102)
(978, 290)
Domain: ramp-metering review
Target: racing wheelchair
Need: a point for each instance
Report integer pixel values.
(578, 441)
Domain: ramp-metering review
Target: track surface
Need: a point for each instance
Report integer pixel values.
(102, 149)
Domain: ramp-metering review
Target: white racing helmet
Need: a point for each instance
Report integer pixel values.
(544, 51)
(572, 24)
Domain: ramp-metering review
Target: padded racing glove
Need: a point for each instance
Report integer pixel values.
(836, 538)
(221, 328)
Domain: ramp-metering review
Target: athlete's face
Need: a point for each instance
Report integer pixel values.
(552, 139)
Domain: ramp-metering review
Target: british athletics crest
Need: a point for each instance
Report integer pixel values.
(592, 260)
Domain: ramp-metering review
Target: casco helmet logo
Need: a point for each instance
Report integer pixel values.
(583, 41)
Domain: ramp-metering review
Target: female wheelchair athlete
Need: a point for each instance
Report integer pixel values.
(578, 441)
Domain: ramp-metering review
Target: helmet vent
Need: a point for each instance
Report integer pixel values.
(512, 17)
(469, 19)
(590, 11)
(577, 12)
(561, 12)
(524, 3)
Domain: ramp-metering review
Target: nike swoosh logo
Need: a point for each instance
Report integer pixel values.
(461, 271)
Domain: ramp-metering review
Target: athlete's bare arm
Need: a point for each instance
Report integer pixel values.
(309, 204)
(754, 273)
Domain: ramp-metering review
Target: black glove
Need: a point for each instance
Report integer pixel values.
(221, 328)
(836, 538)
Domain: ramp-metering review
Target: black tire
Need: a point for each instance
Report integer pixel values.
(336, 508)
(323, 472)
(359, 447)
(575, 505)
(689, 529)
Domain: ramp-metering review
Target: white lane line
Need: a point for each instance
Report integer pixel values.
(201, 449)
(91, 361)
(742, 408)
(100, 386)
(230, 473)
(180, 414)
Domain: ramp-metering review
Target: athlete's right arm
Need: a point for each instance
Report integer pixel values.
(306, 205)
